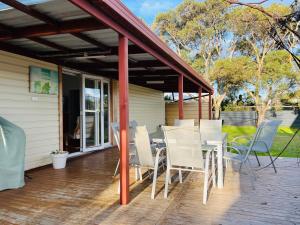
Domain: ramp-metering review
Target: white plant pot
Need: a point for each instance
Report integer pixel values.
(59, 160)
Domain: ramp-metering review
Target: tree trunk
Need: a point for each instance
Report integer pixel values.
(261, 112)
(260, 117)
(217, 105)
(217, 112)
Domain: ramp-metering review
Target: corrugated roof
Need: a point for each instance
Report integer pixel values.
(70, 49)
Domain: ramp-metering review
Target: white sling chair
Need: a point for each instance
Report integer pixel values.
(144, 151)
(184, 123)
(133, 160)
(265, 139)
(209, 127)
(260, 142)
(184, 152)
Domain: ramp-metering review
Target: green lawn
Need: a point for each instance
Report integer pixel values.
(283, 136)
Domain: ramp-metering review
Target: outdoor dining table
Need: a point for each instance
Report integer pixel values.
(217, 139)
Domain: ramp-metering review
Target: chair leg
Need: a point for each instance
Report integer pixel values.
(117, 168)
(213, 165)
(154, 181)
(205, 187)
(137, 177)
(272, 161)
(180, 176)
(240, 169)
(256, 158)
(167, 182)
(140, 173)
(149, 174)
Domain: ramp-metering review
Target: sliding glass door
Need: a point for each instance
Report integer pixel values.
(95, 113)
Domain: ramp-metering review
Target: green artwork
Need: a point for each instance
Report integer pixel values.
(43, 81)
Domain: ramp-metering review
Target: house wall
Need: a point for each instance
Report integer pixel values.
(38, 114)
(146, 106)
(190, 109)
(38, 117)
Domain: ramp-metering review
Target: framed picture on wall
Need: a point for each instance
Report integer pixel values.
(43, 81)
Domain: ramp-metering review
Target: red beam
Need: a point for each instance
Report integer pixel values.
(209, 106)
(41, 41)
(144, 72)
(30, 11)
(90, 40)
(142, 63)
(123, 101)
(123, 29)
(200, 103)
(70, 26)
(49, 44)
(133, 49)
(180, 94)
(43, 17)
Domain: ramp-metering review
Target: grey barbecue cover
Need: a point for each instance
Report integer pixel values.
(12, 155)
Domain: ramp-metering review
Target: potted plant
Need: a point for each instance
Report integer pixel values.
(59, 159)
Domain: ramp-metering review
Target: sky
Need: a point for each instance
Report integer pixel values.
(148, 9)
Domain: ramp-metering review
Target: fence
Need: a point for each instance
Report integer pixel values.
(191, 111)
(289, 116)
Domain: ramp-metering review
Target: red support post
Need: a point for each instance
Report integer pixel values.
(209, 106)
(200, 103)
(180, 95)
(123, 101)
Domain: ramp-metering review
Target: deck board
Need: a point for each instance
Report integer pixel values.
(86, 193)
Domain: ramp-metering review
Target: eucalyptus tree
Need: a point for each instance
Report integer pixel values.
(230, 74)
(197, 28)
(273, 69)
(197, 31)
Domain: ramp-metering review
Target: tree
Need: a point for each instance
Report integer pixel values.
(229, 75)
(195, 27)
(288, 22)
(197, 32)
(273, 69)
(277, 79)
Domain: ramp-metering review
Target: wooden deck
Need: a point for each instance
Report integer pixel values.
(86, 193)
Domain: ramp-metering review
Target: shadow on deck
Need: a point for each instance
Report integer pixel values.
(86, 193)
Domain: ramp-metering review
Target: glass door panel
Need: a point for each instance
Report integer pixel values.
(106, 112)
(90, 98)
(99, 114)
(90, 95)
(95, 113)
(90, 139)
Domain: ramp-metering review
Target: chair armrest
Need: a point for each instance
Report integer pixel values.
(158, 152)
(208, 153)
(234, 148)
(209, 147)
(246, 137)
(208, 157)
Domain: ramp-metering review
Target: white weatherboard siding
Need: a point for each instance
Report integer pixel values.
(190, 111)
(38, 118)
(146, 106)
